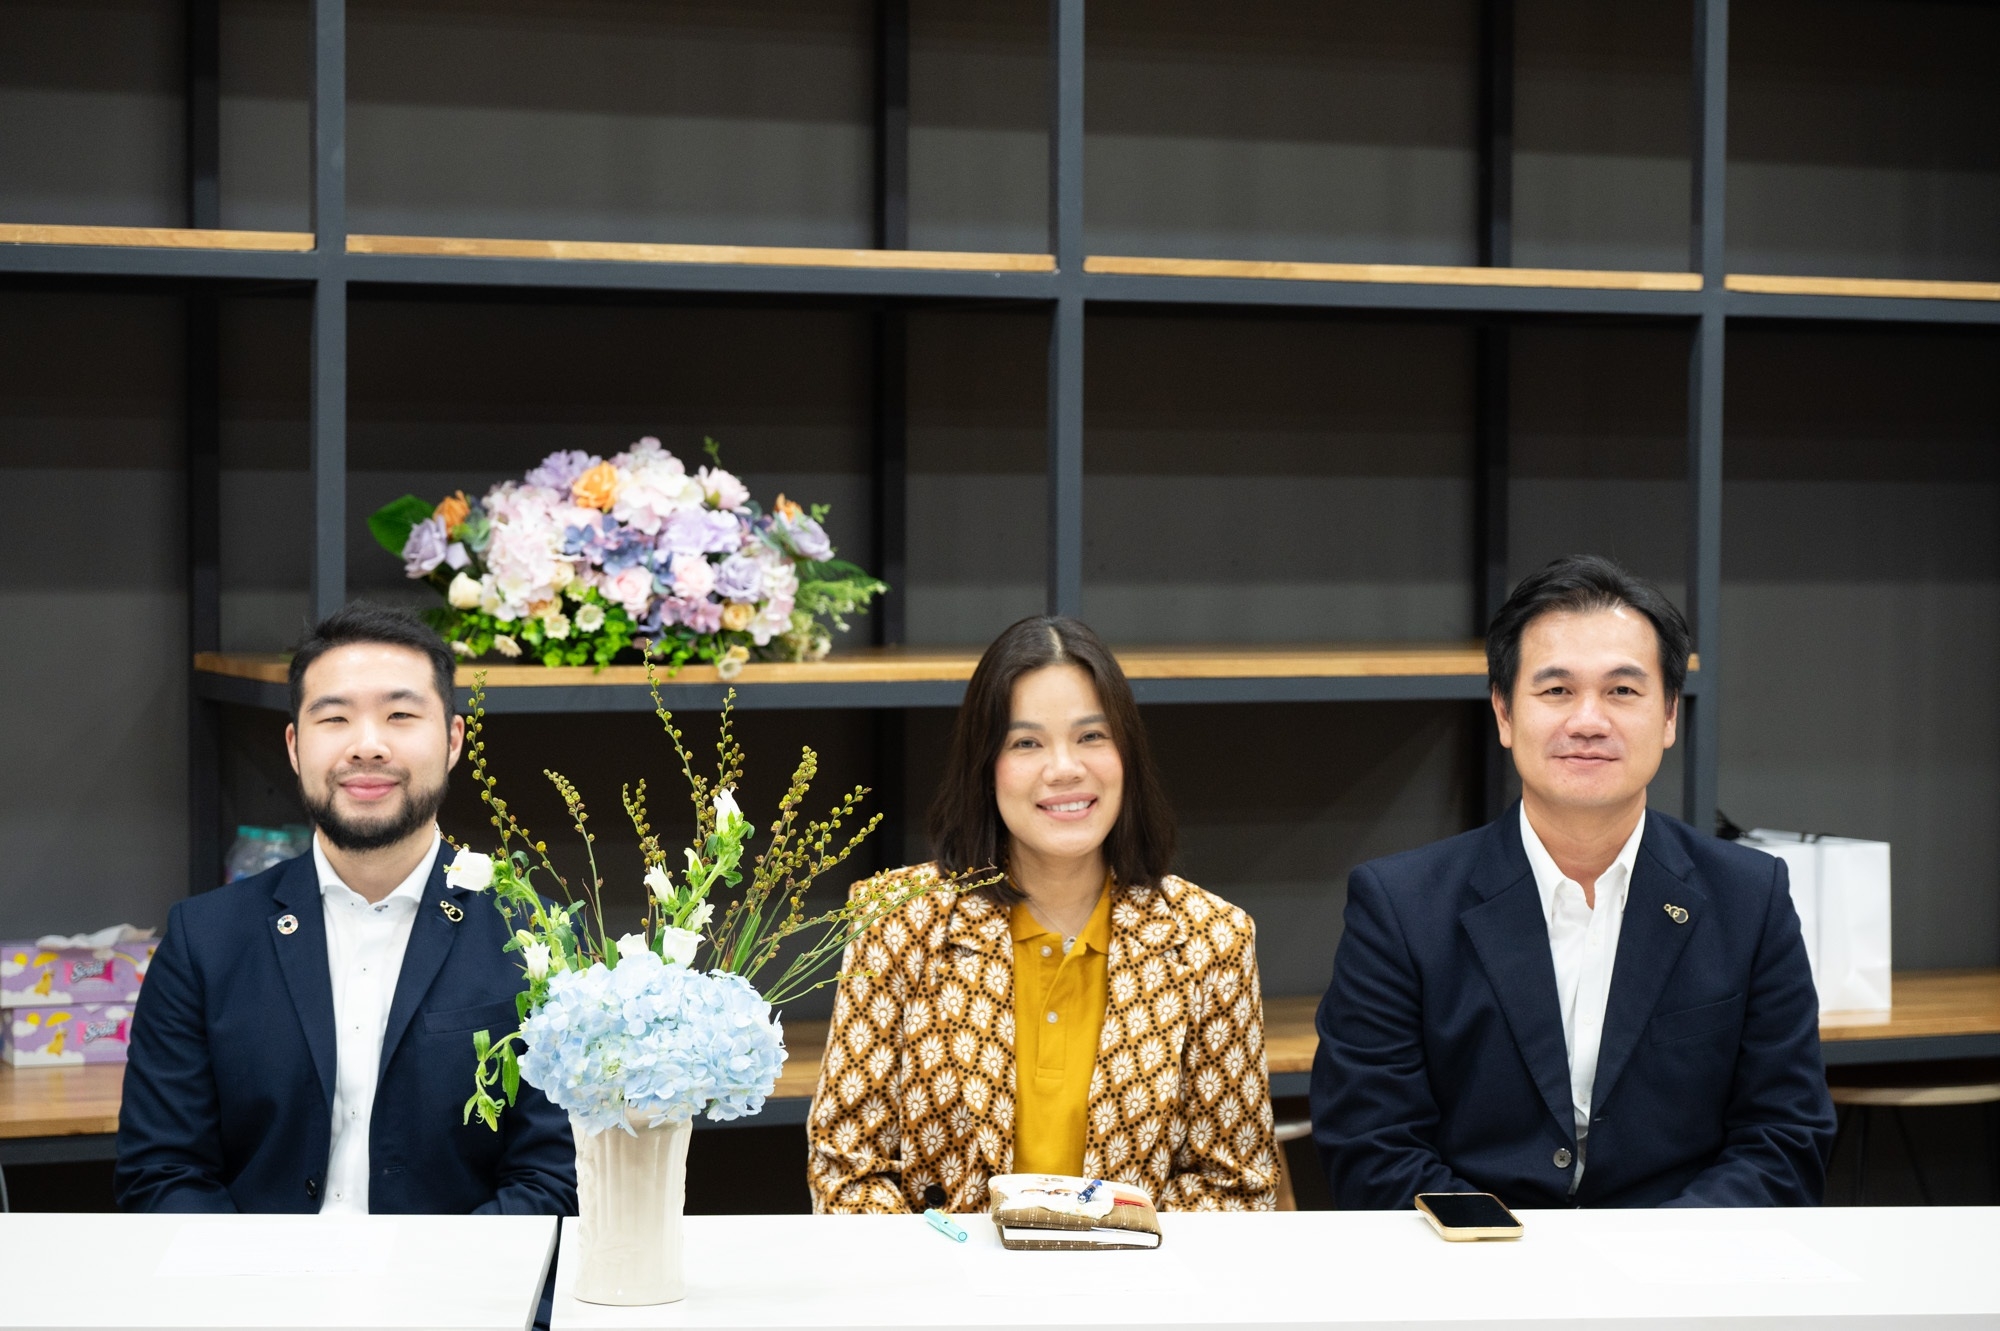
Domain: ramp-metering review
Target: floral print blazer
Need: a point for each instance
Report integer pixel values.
(915, 1105)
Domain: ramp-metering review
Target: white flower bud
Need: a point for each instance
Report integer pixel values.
(678, 945)
(661, 886)
(536, 955)
(471, 871)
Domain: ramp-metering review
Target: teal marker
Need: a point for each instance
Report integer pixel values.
(944, 1225)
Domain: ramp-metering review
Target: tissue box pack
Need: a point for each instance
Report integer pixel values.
(43, 1037)
(32, 976)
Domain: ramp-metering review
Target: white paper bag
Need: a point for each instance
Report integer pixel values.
(1841, 889)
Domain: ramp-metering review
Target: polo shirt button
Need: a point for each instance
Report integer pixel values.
(1052, 1018)
(1047, 951)
(1563, 1157)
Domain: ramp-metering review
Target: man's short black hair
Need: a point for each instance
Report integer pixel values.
(1581, 584)
(362, 622)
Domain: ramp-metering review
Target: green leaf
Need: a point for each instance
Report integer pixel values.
(391, 523)
(510, 1073)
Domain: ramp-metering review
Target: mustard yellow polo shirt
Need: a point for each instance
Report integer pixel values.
(1059, 1004)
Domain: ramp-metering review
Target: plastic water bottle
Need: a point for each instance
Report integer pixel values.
(257, 849)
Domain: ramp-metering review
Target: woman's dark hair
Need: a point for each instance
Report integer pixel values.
(1582, 584)
(362, 622)
(965, 826)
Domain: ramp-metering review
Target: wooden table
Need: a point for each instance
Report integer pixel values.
(1852, 1267)
(49, 1114)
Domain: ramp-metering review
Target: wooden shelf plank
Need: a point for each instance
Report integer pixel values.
(889, 665)
(765, 255)
(1884, 288)
(1925, 1003)
(152, 237)
(904, 665)
(60, 1102)
(1411, 274)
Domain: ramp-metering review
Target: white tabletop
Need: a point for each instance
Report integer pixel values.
(1630, 1269)
(370, 1273)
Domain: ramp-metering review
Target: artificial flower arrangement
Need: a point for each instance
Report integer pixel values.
(585, 557)
(616, 1028)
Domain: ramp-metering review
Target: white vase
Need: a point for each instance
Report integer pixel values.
(630, 1192)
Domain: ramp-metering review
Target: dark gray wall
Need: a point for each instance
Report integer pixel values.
(1861, 612)
(93, 828)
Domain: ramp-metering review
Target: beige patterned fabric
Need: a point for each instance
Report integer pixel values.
(916, 1094)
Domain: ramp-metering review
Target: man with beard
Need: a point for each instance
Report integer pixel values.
(303, 1042)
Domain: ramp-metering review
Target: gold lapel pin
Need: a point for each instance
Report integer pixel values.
(454, 914)
(288, 924)
(1678, 914)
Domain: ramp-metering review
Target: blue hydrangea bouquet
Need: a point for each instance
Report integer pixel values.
(634, 1035)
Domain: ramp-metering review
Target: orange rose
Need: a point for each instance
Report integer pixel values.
(786, 509)
(596, 488)
(454, 509)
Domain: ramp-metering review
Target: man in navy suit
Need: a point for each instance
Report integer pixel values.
(303, 1042)
(1583, 1003)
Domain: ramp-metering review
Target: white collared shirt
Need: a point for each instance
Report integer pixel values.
(1584, 945)
(364, 955)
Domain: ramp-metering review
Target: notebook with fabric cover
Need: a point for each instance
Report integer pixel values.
(1057, 1211)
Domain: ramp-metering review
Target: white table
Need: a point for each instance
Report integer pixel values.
(1629, 1269)
(369, 1273)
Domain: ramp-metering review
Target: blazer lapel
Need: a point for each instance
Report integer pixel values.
(302, 961)
(1511, 936)
(1650, 942)
(431, 936)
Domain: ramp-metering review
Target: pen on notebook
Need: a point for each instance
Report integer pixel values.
(944, 1225)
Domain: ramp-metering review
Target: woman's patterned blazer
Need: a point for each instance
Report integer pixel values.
(915, 1105)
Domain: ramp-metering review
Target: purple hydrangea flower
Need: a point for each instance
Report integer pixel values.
(700, 531)
(561, 467)
(426, 547)
(739, 578)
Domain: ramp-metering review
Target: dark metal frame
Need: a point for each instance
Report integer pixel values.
(332, 277)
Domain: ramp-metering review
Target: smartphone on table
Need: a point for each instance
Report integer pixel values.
(1464, 1216)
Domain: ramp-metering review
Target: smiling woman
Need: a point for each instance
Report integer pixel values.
(1090, 1013)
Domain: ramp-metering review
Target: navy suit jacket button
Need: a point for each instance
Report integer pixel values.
(312, 1187)
(1563, 1157)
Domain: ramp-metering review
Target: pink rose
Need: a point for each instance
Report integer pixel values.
(632, 588)
(694, 577)
(703, 616)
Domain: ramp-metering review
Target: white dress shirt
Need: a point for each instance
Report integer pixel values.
(364, 955)
(1584, 945)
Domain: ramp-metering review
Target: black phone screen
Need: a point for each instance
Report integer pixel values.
(1469, 1210)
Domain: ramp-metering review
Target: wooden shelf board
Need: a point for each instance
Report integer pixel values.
(638, 252)
(1886, 288)
(897, 665)
(152, 237)
(73, 1101)
(1413, 274)
(60, 1102)
(1925, 1003)
(906, 665)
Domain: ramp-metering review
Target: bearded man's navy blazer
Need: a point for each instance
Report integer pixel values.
(1442, 1066)
(229, 1089)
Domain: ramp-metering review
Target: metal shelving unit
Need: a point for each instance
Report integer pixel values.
(332, 268)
